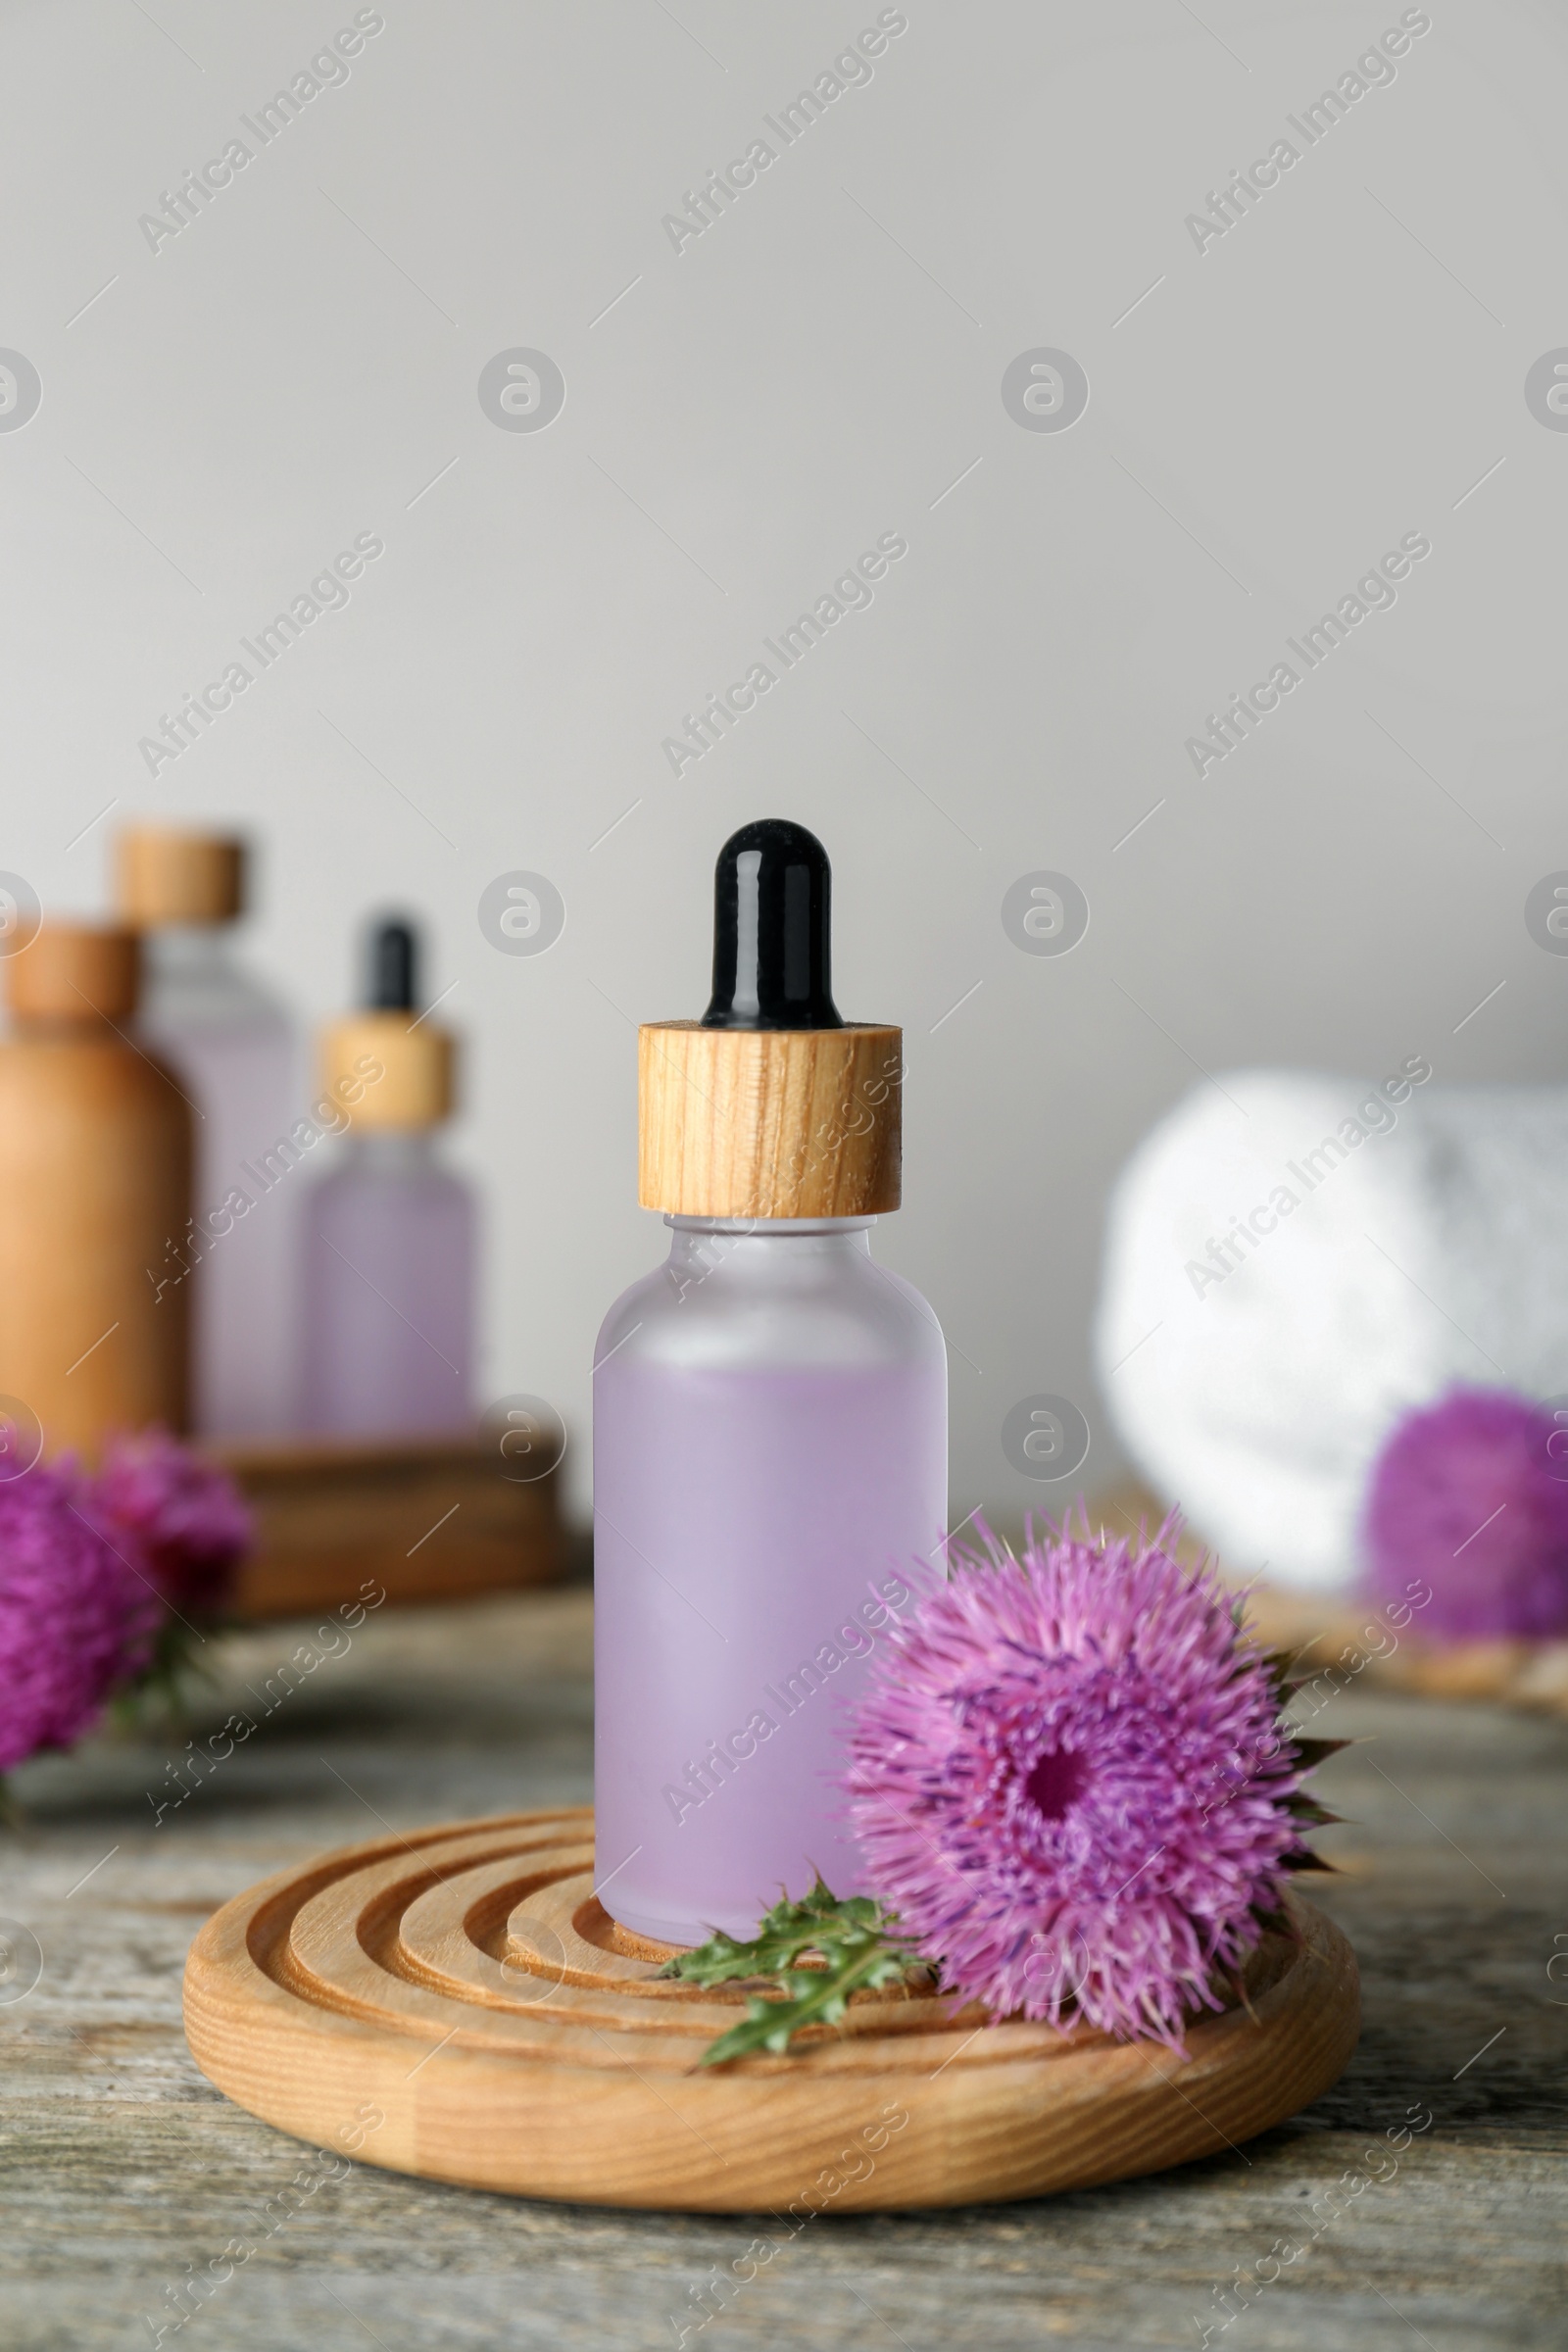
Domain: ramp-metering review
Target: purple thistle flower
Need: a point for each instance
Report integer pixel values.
(186, 1514)
(77, 1618)
(1068, 1780)
(1467, 1497)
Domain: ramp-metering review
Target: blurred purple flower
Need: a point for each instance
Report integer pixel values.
(1466, 1496)
(186, 1515)
(1070, 1780)
(77, 1618)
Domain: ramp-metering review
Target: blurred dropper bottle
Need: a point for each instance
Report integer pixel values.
(389, 1248)
(235, 1048)
(95, 1156)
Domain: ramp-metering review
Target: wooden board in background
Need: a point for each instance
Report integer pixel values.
(1338, 1631)
(427, 1521)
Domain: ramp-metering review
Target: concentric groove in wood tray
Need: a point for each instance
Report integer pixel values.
(457, 2004)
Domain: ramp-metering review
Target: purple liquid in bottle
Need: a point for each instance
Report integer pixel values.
(233, 1050)
(770, 1492)
(388, 1320)
(771, 1432)
(388, 1296)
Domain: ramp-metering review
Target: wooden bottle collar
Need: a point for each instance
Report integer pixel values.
(169, 874)
(385, 1073)
(769, 1122)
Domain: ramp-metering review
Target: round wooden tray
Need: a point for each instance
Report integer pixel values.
(457, 2004)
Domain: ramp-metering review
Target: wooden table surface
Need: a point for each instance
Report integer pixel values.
(124, 2171)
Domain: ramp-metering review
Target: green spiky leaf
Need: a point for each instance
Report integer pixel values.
(172, 1684)
(1278, 1664)
(810, 1956)
(1305, 1807)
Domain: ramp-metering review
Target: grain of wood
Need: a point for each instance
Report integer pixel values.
(421, 1522)
(769, 1122)
(468, 1983)
(121, 2164)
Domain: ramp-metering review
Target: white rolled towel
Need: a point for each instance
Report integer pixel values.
(1293, 1262)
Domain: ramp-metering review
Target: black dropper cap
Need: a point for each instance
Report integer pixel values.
(773, 957)
(394, 960)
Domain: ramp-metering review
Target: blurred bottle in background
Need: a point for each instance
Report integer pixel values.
(389, 1248)
(232, 1045)
(95, 1156)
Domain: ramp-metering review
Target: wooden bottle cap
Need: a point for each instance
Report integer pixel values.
(75, 972)
(769, 1122)
(163, 874)
(385, 1075)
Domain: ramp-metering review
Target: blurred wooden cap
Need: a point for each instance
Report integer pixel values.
(166, 875)
(384, 1074)
(769, 1122)
(73, 971)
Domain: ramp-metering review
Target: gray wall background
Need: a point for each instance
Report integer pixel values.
(823, 365)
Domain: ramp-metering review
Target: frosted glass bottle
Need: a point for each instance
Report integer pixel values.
(232, 1047)
(389, 1253)
(769, 1426)
(769, 1493)
(389, 1241)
